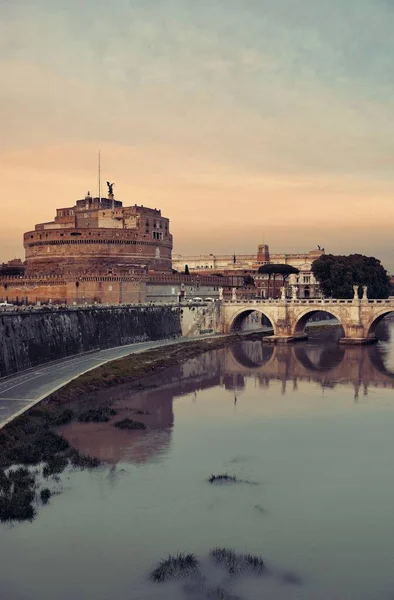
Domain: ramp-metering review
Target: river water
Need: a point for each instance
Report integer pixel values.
(310, 426)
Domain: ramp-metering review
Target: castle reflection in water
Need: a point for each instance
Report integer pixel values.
(321, 360)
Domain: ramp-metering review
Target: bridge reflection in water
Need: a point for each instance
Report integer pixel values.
(320, 360)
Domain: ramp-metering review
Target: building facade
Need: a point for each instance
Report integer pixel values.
(248, 265)
(102, 237)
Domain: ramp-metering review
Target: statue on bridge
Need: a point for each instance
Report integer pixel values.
(234, 294)
(220, 293)
(294, 292)
(355, 290)
(365, 292)
(283, 293)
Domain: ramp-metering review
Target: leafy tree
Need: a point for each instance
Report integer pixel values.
(187, 272)
(248, 280)
(278, 269)
(338, 274)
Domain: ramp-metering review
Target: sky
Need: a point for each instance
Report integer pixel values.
(243, 120)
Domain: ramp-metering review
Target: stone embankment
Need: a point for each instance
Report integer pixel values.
(28, 339)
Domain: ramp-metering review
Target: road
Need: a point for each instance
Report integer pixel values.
(21, 391)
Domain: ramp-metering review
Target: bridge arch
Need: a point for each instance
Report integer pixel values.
(375, 320)
(304, 316)
(252, 360)
(243, 313)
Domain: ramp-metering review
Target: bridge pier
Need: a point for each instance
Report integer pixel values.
(358, 341)
(285, 339)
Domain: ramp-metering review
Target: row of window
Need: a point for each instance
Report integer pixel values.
(65, 213)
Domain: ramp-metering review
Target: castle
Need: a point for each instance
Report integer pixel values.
(101, 251)
(100, 236)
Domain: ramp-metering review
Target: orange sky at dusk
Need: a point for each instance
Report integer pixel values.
(241, 124)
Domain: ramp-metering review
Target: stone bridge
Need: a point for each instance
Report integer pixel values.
(288, 316)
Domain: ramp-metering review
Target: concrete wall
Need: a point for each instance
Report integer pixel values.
(35, 337)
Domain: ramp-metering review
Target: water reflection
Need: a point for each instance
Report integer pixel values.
(321, 360)
(326, 362)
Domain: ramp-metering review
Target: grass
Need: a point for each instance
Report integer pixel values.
(97, 415)
(235, 563)
(175, 567)
(129, 424)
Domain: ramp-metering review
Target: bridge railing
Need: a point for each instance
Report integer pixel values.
(314, 301)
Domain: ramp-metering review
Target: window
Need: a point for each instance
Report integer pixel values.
(307, 279)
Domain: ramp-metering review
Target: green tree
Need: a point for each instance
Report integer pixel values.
(338, 274)
(248, 280)
(187, 272)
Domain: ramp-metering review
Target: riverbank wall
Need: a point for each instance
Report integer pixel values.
(34, 338)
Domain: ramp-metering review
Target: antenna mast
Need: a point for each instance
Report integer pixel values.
(99, 177)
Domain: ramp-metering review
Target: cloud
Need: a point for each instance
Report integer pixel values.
(245, 115)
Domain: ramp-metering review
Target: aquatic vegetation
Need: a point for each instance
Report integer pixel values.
(17, 495)
(45, 494)
(97, 415)
(36, 448)
(141, 412)
(237, 564)
(222, 478)
(225, 478)
(82, 460)
(55, 465)
(175, 567)
(129, 424)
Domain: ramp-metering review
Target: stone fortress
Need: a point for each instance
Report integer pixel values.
(100, 235)
(99, 251)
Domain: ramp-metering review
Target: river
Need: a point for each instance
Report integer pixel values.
(307, 428)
